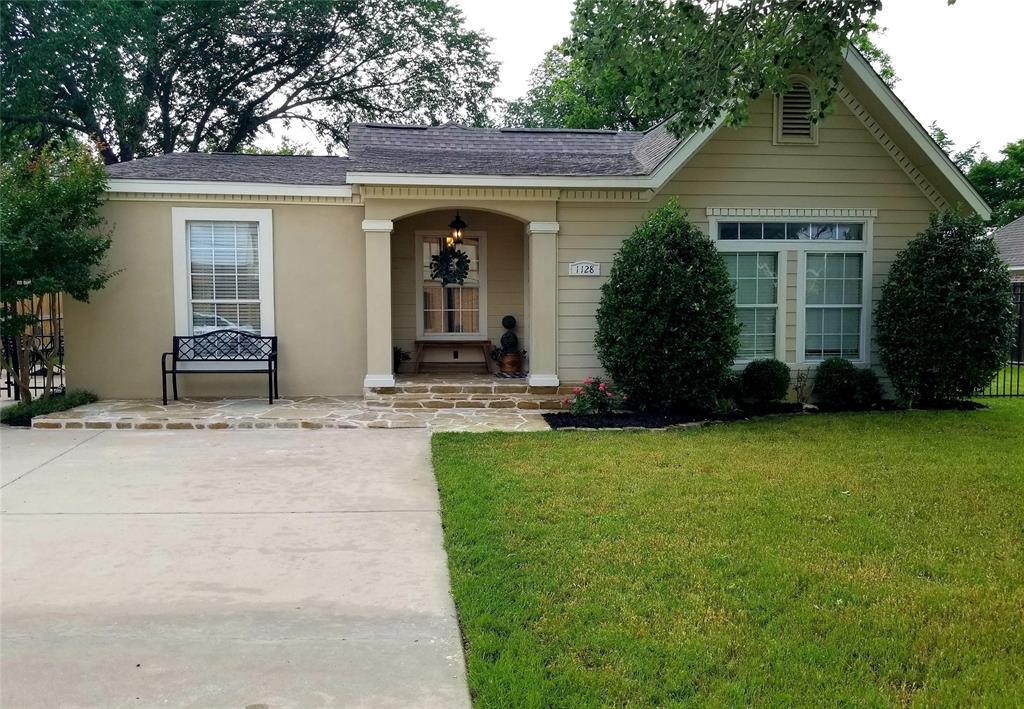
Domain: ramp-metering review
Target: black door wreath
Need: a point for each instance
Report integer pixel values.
(450, 266)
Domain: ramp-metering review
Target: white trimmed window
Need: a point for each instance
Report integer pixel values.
(223, 268)
(453, 311)
(834, 305)
(833, 262)
(755, 277)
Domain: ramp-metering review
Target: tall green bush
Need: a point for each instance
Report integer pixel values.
(945, 321)
(666, 325)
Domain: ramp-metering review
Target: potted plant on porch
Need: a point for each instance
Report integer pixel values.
(508, 356)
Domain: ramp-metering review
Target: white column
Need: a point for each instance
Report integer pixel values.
(543, 332)
(378, 303)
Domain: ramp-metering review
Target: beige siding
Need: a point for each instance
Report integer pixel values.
(740, 167)
(114, 342)
(505, 277)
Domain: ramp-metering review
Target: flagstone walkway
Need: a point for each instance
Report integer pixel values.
(305, 412)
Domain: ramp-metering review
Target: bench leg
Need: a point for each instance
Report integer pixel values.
(277, 392)
(163, 383)
(174, 382)
(270, 385)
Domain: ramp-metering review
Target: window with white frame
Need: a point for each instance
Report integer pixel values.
(224, 276)
(452, 309)
(833, 305)
(223, 270)
(755, 278)
(832, 271)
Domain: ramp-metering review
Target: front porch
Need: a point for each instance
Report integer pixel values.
(512, 271)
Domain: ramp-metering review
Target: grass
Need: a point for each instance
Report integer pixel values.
(21, 414)
(861, 559)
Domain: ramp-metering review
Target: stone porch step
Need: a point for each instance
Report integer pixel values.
(479, 392)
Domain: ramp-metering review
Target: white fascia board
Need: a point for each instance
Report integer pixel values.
(655, 181)
(917, 133)
(216, 187)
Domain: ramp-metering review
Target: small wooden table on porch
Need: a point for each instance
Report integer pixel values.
(422, 345)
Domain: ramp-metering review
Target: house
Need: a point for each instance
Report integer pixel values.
(1010, 240)
(332, 254)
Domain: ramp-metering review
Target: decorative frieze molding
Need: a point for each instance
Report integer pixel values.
(353, 201)
(606, 195)
(890, 147)
(459, 193)
(788, 212)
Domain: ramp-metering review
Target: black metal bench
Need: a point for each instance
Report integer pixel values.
(222, 346)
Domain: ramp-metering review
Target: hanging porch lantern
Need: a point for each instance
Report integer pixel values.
(457, 229)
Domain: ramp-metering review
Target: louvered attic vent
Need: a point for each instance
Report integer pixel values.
(793, 122)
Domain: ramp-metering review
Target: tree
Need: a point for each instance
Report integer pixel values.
(630, 64)
(963, 159)
(945, 321)
(666, 326)
(156, 76)
(1001, 183)
(51, 239)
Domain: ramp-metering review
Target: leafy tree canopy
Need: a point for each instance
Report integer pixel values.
(629, 64)
(51, 241)
(999, 182)
(156, 76)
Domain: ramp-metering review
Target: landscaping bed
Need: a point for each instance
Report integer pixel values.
(21, 414)
(836, 559)
(640, 419)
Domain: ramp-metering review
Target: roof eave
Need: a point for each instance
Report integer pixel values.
(938, 158)
(200, 187)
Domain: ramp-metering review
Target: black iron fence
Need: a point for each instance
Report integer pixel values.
(1010, 379)
(43, 353)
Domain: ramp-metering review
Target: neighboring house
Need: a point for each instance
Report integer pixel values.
(331, 253)
(1010, 240)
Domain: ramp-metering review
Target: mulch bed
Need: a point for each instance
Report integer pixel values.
(639, 419)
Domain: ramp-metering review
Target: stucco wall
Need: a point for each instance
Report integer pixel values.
(505, 279)
(114, 343)
(740, 167)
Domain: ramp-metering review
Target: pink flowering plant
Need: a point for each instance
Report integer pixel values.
(594, 397)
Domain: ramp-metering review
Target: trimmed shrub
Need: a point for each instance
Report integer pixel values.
(21, 414)
(837, 384)
(732, 386)
(766, 380)
(666, 325)
(945, 321)
(869, 389)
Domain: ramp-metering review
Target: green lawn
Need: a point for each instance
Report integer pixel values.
(860, 559)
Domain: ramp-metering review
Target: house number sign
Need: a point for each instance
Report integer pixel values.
(584, 268)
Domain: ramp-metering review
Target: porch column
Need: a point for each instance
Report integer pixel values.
(378, 303)
(543, 337)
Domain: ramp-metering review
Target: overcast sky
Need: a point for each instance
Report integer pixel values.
(960, 65)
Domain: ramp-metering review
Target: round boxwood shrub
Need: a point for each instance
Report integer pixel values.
(766, 380)
(836, 384)
(666, 325)
(945, 321)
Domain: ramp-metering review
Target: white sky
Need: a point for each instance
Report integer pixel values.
(962, 65)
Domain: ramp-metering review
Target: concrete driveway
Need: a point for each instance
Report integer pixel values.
(224, 569)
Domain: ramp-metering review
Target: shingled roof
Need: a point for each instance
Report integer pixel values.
(449, 149)
(1010, 240)
(452, 149)
(236, 167)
